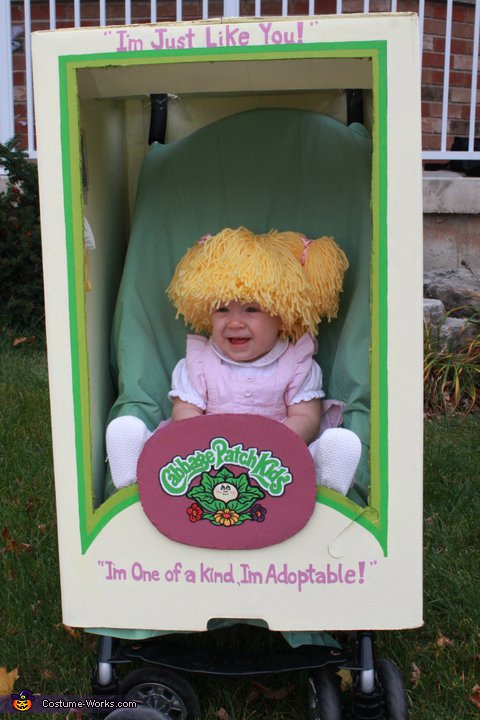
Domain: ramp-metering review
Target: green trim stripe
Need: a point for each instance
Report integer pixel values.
(373, 518)
(379, 388)
(74, 246)
(332, 50)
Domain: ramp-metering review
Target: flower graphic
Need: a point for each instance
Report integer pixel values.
(226, 517)
(195, 512)
(258, 513)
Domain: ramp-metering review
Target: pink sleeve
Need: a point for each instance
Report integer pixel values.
(332, 414)
(182, 387)
(196, 346)
(303, 353)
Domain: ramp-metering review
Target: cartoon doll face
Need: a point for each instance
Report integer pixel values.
(226, 492)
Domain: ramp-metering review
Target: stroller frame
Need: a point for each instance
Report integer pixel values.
(377, 691)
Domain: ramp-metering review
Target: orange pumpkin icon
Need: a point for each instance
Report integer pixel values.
(22, 701)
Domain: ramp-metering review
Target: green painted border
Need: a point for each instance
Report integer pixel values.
(374, 518)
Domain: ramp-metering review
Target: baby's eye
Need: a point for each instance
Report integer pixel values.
(252, 309)
(222, 309)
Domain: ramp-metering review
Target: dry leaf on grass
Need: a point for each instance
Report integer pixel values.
(260, 691)
(222, 714)
(415, 676)
(73, 632)
(7, 680)
(22, 340)
(12, 545)
(443, 641)
(346, 678)
(475, 696)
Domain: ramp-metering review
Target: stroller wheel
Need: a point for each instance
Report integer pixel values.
(170, 695)
(393, 690)
(324, 696)
(388, 698)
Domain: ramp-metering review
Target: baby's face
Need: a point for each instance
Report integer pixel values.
(244, 332)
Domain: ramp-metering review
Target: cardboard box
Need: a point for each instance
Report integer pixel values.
(92, 90)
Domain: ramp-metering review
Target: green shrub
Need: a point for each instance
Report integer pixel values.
(21, 279)
(451, 372)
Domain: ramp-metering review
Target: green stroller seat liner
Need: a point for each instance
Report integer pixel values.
(264, 169)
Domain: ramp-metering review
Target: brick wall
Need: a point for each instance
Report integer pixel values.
(460, 72)
(433, 47)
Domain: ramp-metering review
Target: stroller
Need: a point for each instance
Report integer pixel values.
(350, 564)
(262, 168)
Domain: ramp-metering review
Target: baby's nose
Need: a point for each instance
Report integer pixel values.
(235, 322)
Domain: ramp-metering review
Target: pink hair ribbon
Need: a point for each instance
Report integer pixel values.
(306, 243)
(204, 239)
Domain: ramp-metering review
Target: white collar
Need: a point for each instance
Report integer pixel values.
(277, 351)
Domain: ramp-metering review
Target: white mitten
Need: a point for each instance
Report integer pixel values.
(336, 454)
(126, 437)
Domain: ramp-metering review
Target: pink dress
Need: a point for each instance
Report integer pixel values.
(285, 376)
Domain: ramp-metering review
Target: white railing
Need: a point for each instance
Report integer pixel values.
(470, 153)
(231, 8)
(6, 76)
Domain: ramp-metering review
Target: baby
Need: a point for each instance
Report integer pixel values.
(260, 299)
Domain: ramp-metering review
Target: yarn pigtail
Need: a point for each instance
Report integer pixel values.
(187, 276)
(325, 265)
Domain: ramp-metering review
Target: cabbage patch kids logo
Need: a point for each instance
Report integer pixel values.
(199, 478)
(266, 469)
(221, 497)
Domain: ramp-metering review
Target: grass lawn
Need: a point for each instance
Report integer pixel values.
(440, 661)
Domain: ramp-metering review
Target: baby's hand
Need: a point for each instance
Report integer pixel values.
(183, 410)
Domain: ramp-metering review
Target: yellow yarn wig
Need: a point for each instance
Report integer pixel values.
(290, 277)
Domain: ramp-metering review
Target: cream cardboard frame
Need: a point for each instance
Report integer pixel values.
(116, 570)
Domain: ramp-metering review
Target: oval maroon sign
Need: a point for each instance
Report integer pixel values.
(227, 481)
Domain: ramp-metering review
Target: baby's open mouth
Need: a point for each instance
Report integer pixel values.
(238, 341)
